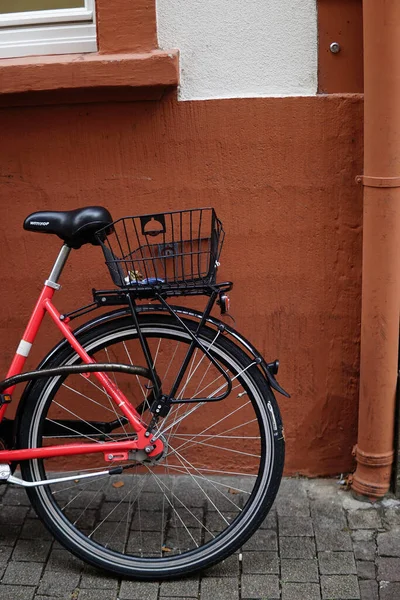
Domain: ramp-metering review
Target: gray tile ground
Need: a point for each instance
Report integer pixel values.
(317, 543)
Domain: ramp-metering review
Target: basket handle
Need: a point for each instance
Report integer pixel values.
(153, 225)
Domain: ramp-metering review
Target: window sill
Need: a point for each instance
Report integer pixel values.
(87, 77)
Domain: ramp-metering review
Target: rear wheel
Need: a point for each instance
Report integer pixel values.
(194, 505)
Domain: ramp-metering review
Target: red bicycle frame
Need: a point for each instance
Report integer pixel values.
(44, 305)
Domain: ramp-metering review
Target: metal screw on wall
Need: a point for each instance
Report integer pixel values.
(334, 47)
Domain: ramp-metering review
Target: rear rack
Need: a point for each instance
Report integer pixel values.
(121, 296)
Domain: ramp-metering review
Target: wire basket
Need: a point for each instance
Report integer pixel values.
(163, 249)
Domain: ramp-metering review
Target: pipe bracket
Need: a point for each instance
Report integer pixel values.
(378, 182)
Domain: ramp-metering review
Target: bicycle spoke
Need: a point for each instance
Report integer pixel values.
(229, 487)
(77, 433)
(217, 422)
(137, 377)
(83, 421)
(68, 387)
(114, 509)
(182, 460)
(174, 509)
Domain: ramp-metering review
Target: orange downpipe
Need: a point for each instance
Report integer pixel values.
(381, 242)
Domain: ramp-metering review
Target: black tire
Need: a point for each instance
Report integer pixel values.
(209, 543)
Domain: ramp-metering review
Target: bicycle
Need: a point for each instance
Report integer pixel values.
(149, 440)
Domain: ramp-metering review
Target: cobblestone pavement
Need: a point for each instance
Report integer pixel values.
(317, 543)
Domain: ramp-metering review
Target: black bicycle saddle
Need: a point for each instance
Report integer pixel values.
(74, 227)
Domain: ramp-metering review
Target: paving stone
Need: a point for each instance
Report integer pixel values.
(31, 550)
(263, 563)
(368, 590)
(257, 586)
(15, 496)
(182, 539)
(365, 569)
(33, 529)
(391, 517)
(389, 543)
(295, 526)
(94, 579)
(388, 569)
(363, 535)
(364, 519)
(97, 595)
(12, 515)
(340, 587)
(328, 514)
(194, 518)
(68, 596)
(154, 501)
(264, 540)
(299, 570)
(183, 588)
(229, 567)
(324, 489)
(138, 590)
(146, 542)
(270, 522)
(389, 591)
(334, 541)
(218, 502)
(9, 534)
(61, 560)
(147, 521)
(303, 591)
(16, 592)
(364, 550)
(84, 519)
(85, 500)
(191, 496)
(336, 563)
(22, 573)
(54, 583)
(223, 589)
(214, 521)
(116, 511)
(5, 553)
(293, 486)
(297, 547)
(293, 505)
(337, 542)
(112, 535)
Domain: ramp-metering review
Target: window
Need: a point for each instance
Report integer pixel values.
(30, 27)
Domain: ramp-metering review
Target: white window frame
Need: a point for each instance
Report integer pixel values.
(59, 31)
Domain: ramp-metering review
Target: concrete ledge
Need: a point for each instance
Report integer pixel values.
(44, 74)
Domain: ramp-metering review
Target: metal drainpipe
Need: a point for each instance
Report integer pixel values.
(381, 241)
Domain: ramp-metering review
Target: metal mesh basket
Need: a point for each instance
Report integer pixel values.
(164, 249)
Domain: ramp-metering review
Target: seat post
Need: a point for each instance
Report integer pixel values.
(58, 267)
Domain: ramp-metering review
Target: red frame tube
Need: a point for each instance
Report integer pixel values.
(42, 306)
(70, 450)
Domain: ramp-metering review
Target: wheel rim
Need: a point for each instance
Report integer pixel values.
(196, 510)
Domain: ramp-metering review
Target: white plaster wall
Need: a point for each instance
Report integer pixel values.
(242, 48)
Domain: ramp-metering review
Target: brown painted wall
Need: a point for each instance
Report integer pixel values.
(280, 173)
(340, 21)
